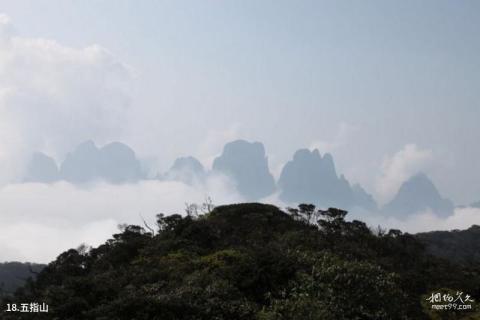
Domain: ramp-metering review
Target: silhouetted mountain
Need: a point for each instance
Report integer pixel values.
(83, 164)
(247, 164)
(311, 178)
(42, 168)
(119, 163)
(14, 274)
(115, 163)
(418, 194)
(187, 170)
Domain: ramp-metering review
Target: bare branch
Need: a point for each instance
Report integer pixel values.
(146, 225)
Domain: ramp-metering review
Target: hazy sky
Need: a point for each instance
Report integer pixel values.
(388, 87)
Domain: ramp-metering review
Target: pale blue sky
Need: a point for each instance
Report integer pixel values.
(360, 78)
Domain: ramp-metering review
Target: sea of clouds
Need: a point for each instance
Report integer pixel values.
(39, 221)
(53, 97)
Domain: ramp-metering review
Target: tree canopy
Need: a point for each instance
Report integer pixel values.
(249, 261)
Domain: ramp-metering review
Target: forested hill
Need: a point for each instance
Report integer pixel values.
(459, 246)
(250, 261)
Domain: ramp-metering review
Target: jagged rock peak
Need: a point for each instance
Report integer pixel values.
(311, 178)
(247, 165)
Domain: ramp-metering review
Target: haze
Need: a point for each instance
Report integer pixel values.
(389, 88)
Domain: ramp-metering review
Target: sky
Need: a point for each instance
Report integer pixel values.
(388, 87)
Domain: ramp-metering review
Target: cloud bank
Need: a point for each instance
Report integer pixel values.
(39, 221)
(462, 218)
(342, 136)
(398, 168)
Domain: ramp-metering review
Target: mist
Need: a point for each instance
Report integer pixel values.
(39, 221)
(392, 109)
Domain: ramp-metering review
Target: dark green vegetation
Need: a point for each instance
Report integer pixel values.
(15, 274)
(249, 261)
(459, 246)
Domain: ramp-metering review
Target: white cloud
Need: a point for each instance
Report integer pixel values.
(342, 135)
(39, 221)
(37, 241)
(212, 145)
(398, 168)
(463, 218)
(53, 96)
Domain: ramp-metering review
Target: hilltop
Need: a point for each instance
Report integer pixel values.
(249, 261)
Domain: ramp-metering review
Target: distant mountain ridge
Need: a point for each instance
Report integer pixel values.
(114, 163)
(308, 177)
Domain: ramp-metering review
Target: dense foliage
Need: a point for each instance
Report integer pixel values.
(459, 246)
(249, 261)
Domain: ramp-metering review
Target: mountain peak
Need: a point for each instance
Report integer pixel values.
(187, 162)
(118, 147)
(115, 162)
(186, 169)
(306, 155)
(254, 148)
(311, 178)
(88, 145)
(246, 163)
(418, 194)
